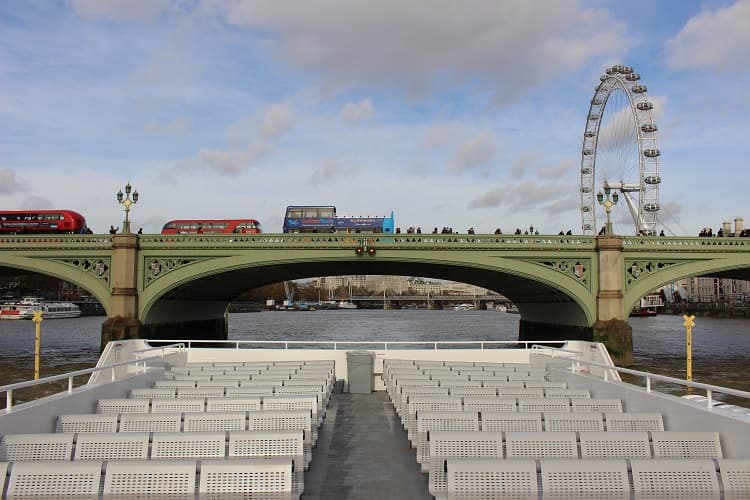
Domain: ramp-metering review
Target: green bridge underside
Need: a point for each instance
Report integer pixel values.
(552, 279)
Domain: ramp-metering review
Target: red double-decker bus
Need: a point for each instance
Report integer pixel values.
(212, 226)
(42, 222)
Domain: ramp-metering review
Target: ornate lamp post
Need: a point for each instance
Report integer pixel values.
(608, 204)
(126, 201)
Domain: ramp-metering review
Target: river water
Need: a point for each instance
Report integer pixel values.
(720, 346)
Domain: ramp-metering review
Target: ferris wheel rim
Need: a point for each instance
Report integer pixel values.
(622, 78)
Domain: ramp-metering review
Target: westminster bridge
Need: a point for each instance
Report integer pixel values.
(565, 287)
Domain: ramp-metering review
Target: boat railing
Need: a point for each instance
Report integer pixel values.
(649, 378)
(564, 353)
(141, 365)
(561, 350)
(162, 349)
(337, 345)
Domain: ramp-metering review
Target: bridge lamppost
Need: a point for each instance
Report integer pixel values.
(608, 204)
(126, 201)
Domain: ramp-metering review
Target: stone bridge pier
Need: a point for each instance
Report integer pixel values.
(123, 323)
(610, 327)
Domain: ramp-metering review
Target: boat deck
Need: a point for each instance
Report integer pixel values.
(363, 453)
(226, 423)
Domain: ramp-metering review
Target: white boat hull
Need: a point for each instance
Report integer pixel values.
(50, 310)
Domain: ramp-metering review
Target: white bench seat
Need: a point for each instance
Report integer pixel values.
(185, 445)
(634, 421)
(112, 446)
(491, 479)
(672, 444)
(580, 421)
(511, 422)
(263, 478)
(155, 479)
(35, 447)
(585, 479)
(150, 422)
(683, 479)
(545, 444)
(215, 421)
(89, 422)
(55, 479)
(458, 444)
(615, 445)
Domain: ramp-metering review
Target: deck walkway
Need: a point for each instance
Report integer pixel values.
(363, 453)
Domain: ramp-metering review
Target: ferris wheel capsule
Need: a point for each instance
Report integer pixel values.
(651, 153)
(632, 77)
(645, 106)
(649, 128)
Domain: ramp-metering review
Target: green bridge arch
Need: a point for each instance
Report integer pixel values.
(564, 286)
(515, 276)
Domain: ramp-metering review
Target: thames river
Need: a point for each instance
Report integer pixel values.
(720, 346)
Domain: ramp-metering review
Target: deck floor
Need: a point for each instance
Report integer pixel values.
(363, 453)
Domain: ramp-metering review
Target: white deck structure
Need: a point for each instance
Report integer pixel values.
(479, 421)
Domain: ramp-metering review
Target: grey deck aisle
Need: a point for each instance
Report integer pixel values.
(364, 454)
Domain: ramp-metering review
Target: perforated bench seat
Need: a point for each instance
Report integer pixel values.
(469, 479)
(54, 479)
(634, 421)
(585, 479)
(510, 422)
(694, 479)
(34, 447)
(111, 446)
(88, 422)
(264, 478)
(154, 479)
(460, 444)
(431, 421)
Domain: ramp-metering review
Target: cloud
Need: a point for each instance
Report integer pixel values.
(249, 141)
(714, 39)
(417, 49)
(130, 10)
(442, 134)
(547, 197)
(10, 184)
(329, 170)
(526, 162)
(279, 118)
(36, 202)
(231, 161)
(474, 152)
(356, 112)
(556, 171)
(178, 126)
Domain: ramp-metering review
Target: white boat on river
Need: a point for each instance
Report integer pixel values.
(25, 308)
(408, 420)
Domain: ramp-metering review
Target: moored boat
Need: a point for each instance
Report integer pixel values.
(464, 307)
(25, 308)
(648, 306)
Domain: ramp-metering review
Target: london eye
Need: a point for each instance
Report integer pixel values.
(620, 156)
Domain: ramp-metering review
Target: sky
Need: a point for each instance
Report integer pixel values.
(450, 114)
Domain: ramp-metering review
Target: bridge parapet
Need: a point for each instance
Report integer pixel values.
(395, 241)
(56, 242)
(685, 244)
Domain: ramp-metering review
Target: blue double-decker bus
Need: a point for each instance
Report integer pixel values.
(323, 219)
